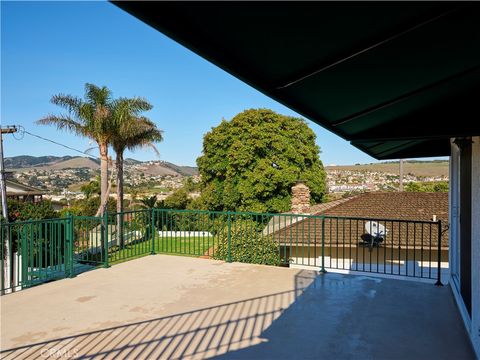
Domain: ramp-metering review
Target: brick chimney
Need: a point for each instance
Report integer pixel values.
(300, 198)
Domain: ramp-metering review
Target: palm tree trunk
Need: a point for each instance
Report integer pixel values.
(103, 176)
(103, 191)
(107, 195)
(119, 167)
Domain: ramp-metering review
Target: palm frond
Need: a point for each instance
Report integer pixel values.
(90, 149)
(64, 123)
(138, 105)
(97, 95)
(153, 147)
(142, 134)
(131, 129)
(70, 103)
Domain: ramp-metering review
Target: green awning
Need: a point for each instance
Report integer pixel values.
(396, 79)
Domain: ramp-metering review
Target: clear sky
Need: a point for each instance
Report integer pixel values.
(56, 47)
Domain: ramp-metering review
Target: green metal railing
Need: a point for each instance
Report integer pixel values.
(89, 233)
(35, 252)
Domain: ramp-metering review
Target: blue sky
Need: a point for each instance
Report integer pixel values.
(56, 47)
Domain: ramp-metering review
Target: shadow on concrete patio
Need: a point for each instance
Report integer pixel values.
(198, 334)
(352, 317)
(332, 316)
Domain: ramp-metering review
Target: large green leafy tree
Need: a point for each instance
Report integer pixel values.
(251, 162)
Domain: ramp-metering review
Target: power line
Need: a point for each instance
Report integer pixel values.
(3, 184)
(23, 131)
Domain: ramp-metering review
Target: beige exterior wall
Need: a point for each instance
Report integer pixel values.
(475, 332)
(361, 253)
(411, 262)
(472, 323)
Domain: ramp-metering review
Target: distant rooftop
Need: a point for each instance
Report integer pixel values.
(413, 206)
(416, 206)
(16, 189)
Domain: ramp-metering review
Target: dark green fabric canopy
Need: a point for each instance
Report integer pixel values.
(396, 79)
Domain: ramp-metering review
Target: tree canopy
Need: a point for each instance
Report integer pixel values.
(118, 123)
(130, 131)
(90, 117)
(251, 162)
(439, 186)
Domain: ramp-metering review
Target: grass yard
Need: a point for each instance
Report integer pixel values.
(187, 246)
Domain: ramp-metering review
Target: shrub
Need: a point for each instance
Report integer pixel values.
(178, 200)
(37, 234)
(88, 207)
(248, 244)
(31, 211)
(187, 221)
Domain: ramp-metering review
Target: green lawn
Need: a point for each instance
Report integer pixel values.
(167, 245)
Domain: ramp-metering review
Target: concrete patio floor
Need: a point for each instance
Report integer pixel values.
(178, 308)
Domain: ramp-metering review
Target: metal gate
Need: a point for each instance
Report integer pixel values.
(34, 252)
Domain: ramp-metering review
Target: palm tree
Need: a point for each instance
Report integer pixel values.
(133, 191)
(91, 188)
(91, 118)
(131, 131)
(148, 202)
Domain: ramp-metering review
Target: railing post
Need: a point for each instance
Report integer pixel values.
(25, 256)
(105, 238)
(4, 242)
(322, 270)
(439, 255)
(71, 236)
(152, 232)
(2, 280)
(66, 245)
(229, 238)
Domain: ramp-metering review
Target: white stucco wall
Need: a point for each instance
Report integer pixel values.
(476, 244)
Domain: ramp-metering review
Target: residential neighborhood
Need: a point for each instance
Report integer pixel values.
(364, 180)
(60, 181)
(155, 177)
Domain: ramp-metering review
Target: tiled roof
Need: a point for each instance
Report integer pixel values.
(417, 206)
(397, 211)
(320, 208)
(280, 221)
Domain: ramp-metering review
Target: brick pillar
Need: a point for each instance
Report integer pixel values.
(300, 198)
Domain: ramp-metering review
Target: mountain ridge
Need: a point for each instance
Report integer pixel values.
(50, 162)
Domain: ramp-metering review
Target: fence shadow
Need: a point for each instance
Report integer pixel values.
(195, 334)
(324, 316)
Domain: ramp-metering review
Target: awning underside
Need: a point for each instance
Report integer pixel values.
(397, 80)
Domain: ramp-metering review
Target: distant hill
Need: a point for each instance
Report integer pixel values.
(27, 161)
(184, 170)
(24, 162)
(129, 161)
(415, 167)
(75, 163)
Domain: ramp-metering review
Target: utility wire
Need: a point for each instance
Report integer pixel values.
(22, 130)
